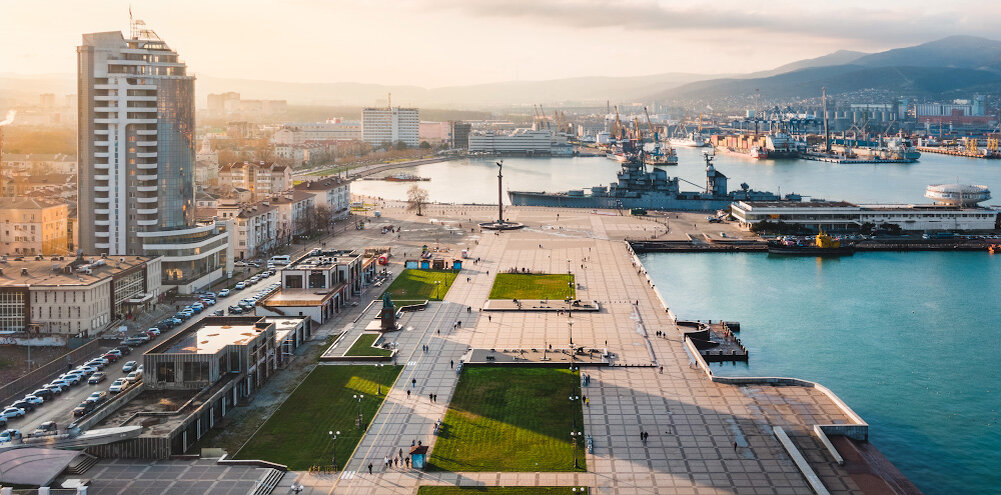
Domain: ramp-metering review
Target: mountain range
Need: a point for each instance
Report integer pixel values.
(951, 65)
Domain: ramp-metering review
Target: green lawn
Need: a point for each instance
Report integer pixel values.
(296, 434)
(511, 419)
(418, 285)
(363, 346)
(498, 490)
(533, 286)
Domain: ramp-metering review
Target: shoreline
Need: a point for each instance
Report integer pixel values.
(856, 434)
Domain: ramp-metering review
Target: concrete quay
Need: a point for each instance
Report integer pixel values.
(706, 434)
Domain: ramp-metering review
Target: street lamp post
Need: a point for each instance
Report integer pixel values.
(575, 437)
(570, 325)
(359, 420)
(333, 441)
(437, 283)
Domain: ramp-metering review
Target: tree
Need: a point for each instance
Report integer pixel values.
(324, 217)
(417, 197)
(425, 145)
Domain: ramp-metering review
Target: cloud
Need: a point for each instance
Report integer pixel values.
(832, 21)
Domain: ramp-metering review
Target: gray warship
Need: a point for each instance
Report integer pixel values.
(638, 187)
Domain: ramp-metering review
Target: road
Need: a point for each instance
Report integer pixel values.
(60, 407)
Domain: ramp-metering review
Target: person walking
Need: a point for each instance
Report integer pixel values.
(408, 393)
(370, 468)
(413, 382)
(451, 364)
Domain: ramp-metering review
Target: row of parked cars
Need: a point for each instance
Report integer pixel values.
(247, 304)
(89, 372)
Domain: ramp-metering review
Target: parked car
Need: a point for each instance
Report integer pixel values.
(124, 349)
(111, 357)
(135, 377)
(97, 363)
(44, 393)
(129, 366)
(24, 405)
(96, 397)
(97, 378)
(89, 370)
(117, 386)
(141, 336)
(240, 286)
(133, 342)
(115, 352)
(46, 428)
(176, 321)
(11, 412)
(235, 310)
(9, 435)
(84, 409)
(72, 378)
(219, 312)
(34, 399)
(54, 388)
(224, 293)
(61, 383)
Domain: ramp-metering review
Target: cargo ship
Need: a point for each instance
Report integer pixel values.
(896, 149)
(822, 245)
(775, 146)
(653, 189)
(405, 178)
(690, 140)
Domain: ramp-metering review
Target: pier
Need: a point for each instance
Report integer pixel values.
(646, 246)
(943, 150)
(844, 159)
(715, 342)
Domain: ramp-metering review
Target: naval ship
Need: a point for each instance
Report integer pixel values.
(652, 190)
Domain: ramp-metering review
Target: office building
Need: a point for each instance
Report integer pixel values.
(330, 132)
(75, 296)
(460, 134)
(136, 119)
(389, 126)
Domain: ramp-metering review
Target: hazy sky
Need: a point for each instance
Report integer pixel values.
(453, 42)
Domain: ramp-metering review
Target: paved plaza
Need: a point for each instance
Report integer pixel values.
(704, 437)
(139, 477)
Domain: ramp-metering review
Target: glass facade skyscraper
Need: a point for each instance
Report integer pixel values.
(136, 112)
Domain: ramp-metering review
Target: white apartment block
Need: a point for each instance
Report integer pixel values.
(329, 132)
(380, 126)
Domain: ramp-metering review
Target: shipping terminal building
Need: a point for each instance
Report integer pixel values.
(956, 208)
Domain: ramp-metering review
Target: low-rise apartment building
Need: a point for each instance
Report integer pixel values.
(33, 226)
(261, 179)
(332, 194)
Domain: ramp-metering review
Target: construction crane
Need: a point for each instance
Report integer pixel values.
(636, 128)
(544, 118)
(617, 130)
(538, 119)
(653, 134)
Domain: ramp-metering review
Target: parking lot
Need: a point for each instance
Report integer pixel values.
(60, 407)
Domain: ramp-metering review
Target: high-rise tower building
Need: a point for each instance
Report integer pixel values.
(136, 132)
(381, 126)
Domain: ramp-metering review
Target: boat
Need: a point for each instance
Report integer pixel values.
(896, 149)
(822, 245)
(405, 178)
(653, 189)
(690, 140)
(661, 156)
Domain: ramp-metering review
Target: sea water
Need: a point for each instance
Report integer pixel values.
(909, 340)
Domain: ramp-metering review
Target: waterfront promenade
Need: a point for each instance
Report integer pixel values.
(704, 437)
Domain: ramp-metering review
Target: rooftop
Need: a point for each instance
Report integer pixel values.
(803, 204)
(53, 271)
(212, 334)
(323, 259)
(24, 203)
(300, 297)
(321, 184)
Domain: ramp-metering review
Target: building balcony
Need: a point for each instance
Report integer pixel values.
(102, 234)
(146, 155)
(146, 143)
(103, 144)
(141, 199)
(104, 178)
(102, 222)
(102, 200)
(146, 223)
(146, 166)
(102, 211)
(146, 132)
(143, 109)
(141, 121)
(141, 98)
(147, 211)
(147, 177)
(103, 154)
(101, 132)
(102, 165)
(102, 245)
(146, 188)
(102, 188)
(106, 109)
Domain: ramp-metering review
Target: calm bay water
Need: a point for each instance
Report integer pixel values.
(475, 180)
(909, 340)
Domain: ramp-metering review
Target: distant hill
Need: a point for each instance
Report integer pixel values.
(957, 63)
(964, 52)
(840, 57)
(806, 83)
